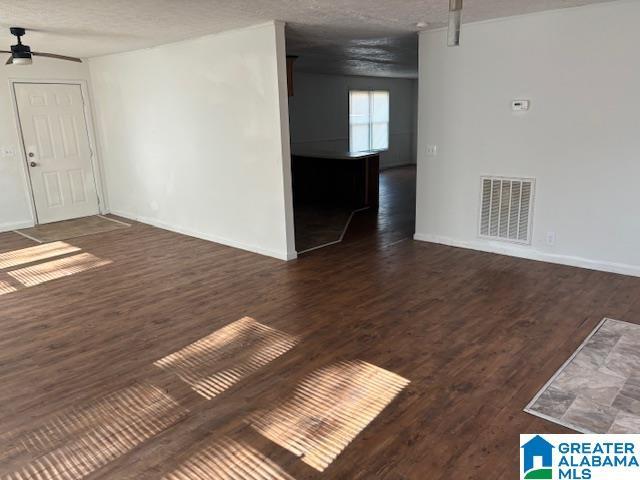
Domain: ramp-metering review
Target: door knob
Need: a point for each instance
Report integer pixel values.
(33, 164)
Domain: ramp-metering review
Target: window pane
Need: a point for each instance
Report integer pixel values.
(380, 106)
(380, 136)
(368, 120)
(359, 138)
(359, 107)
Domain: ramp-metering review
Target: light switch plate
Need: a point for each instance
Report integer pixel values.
(432, 150)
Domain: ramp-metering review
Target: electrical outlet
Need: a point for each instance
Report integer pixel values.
(432, 150)
(551, 238)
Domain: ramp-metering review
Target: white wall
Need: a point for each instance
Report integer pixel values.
(319, 113)
(580, 140)
(15, 199)
(194, 137)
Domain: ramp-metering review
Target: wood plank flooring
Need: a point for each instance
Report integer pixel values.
(476, 335)
(77, 227)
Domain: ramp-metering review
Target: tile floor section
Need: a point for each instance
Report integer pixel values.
(598, 390)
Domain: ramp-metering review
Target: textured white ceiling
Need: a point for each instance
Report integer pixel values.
(347, 36)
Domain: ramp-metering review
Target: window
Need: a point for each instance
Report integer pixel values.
(368, 120)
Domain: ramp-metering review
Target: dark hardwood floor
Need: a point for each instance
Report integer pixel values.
(394, 221)
(317, 225)
(139, 363)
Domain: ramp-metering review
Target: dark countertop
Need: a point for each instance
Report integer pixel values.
(334, 155)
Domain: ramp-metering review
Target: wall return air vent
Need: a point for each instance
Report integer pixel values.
(506, 209)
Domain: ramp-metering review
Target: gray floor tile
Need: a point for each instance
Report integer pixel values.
(595, 385)
(627, 404)
(599, 389)
(590, 416)
(631, 390)
(554, 403)
(620, 364)
(625, 423)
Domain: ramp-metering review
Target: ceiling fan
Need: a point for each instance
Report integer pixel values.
(22, 55)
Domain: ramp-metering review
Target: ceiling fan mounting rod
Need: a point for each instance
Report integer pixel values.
(18, 32)
(455, 20)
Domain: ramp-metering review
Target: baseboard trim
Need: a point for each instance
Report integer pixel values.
(205, 236)
(532, 254)
(8, 227)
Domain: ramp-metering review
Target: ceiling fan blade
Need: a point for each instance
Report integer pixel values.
(59, 57)
(9, 61)
(5, 51)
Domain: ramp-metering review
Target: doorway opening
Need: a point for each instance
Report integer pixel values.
(353, 140)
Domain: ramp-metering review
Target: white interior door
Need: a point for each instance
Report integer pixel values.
(56, 142)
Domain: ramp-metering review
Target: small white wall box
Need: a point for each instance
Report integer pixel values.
(520, 105)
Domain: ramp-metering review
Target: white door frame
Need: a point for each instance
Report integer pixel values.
(95, 160)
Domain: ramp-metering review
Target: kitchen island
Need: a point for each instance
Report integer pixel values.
(336, 178)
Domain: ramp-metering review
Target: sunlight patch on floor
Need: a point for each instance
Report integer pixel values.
(228, 459)
(35, 254)
(218, 361)
(44, 272)
(6, 287)
(82, 440)
(328, 410)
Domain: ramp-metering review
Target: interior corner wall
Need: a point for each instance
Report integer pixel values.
(319, 113)
(580, 140)
(15, 199)
(191, 137)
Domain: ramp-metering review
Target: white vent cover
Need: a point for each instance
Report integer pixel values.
(506, 209)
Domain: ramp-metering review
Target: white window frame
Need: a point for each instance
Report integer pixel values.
(371, 122)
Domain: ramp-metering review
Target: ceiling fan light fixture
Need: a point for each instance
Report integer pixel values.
(22, 60)
(21, 54)
(455, 20)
